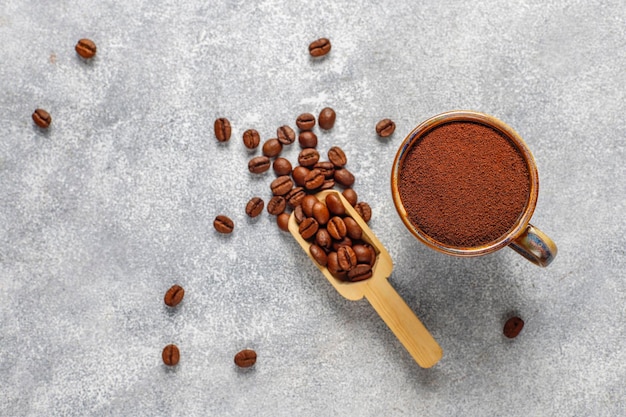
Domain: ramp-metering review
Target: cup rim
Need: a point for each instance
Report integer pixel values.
(485, 119)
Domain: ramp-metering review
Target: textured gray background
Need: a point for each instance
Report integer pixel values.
(115, 203)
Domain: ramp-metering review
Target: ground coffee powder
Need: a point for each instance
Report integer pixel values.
(464, 184)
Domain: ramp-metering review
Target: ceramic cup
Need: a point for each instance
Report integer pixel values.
(522, 236)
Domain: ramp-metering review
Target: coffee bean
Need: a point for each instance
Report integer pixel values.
(86, 48)
(222, 129)
(298, 174)
(295, 196)
(364, 211)
(337, 228)
(281, 185)
(245, 358)
(259, 164)
(328, 184)
(337, 157)
(283, 221)
(332, 264)
(307, 139)
(350, 195)
(385, 128)
(344, 177)
(42, 118)
(327, 168)
(286, 135)
(314, 179)
(223, 224)
(254, 206)
(282, 166)
(321, 213)
(308, 157)
(272, 148)
(251, 139)
(308, 228)
(360, 273)
(335, 205)
(276, 205)
(170, 355)
(365, 254)
(306, 121)
(323, 239)
(319, 47)
(346, 258)
(513, 327)
(318, 254)
(298, 214)
(307, 204)
(174, 295)
(353, 230)
(346, 241)
(326, 119)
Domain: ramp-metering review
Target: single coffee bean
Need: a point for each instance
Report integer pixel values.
(337, 228)
(286, 135)
(346, 258)
(222, 129)
(353, 230)
(307, 139)
(298, 174)
(170, 355)
(364, 211)
(174, 295)
(245, 358)
(513, 327)
(282, 166)
(223, 224)
(308, 228)
(327, 168)
(251, 139)
(346, 241)
(319, 47)
(323, 239)
(86, 48)
(281, 185)
(313, 179)
(259, 164)
(308, 157)
(318, 254)
(298, 214)
(321, 213)
(283, 221)
(335, 205)
(350, 195)
(365, 254)
(272, 148)
(306, 121)
(326, 119)
(295, 196)
(276, 205)
(307, 204)
(385, 128)
(344, 177)
(360, 273)
(337, 157)
(328, 184)
(42, 118)
(332, 263)
(254, 206)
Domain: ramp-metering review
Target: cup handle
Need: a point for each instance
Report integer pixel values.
(535, 246)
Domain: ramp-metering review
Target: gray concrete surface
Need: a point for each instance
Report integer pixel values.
(115, 203)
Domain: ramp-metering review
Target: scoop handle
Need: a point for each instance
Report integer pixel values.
(403, 322)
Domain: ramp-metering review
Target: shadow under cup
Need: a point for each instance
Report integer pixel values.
(466, 184)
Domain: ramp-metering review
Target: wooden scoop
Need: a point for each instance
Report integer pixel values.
(381, 295)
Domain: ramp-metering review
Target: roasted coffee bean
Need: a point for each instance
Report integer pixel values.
(282, 166)
(306, 121)
(332, 263)
(286, 135)
(327, 168)
(350, 195)
(344, 177)
(385, 128)
(337, 228)
(174, 295)
(321, 213)
(323, 239)
(298, 174)
(307, 139)
(222, 129)
(364, 211)
(513, 327)
(328, 184)
(326, 119)
(307, 204)
(337, 157)
(353, 230)
(254, 206)
(346, 241)
(318, 254)
(223, 224)
(281, 185)
(276, 205)
(283, 221)
(272, 148)
(313, 179)
(365, 254)
(346, 258)
(298, 214)
(245, 358)
(319, 47)
(259, 164)
(308, 157)
(295, 196)
(251, 139)
(42, 118)
(170, 355)
(360, 273)
(308, 228)
(335, 205)
(86, 48)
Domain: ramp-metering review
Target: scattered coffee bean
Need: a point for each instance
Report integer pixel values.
(307, 205)
(318, 254)
(272, 148)
(337, 157)
(344, 177)
(337, 228)
(245, 358)
(298, 174)
(86, 48)
(335, 205)
(254, 206)
(307, 139)
(346, 258)
(360, 273)
(332, 264)
(281, 185)
(364, 211)
(174, 295)
(283, 221)
(222, 129)
(321, 213)
(385, 128)
(295, 196)
(286, 135)
(282, 166)
(306, 121)
(353, 230)
(259, 164)
(308, 157)
(513, 327)
(251, 139)
(364, 254)
(308, 228)
(319, 47)
(326, 119)
(327, 168)
(42, 118)
(170, 355)
(346, 241)
(223, 224)
(314, 179)
(276, 205)
(350, 195)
